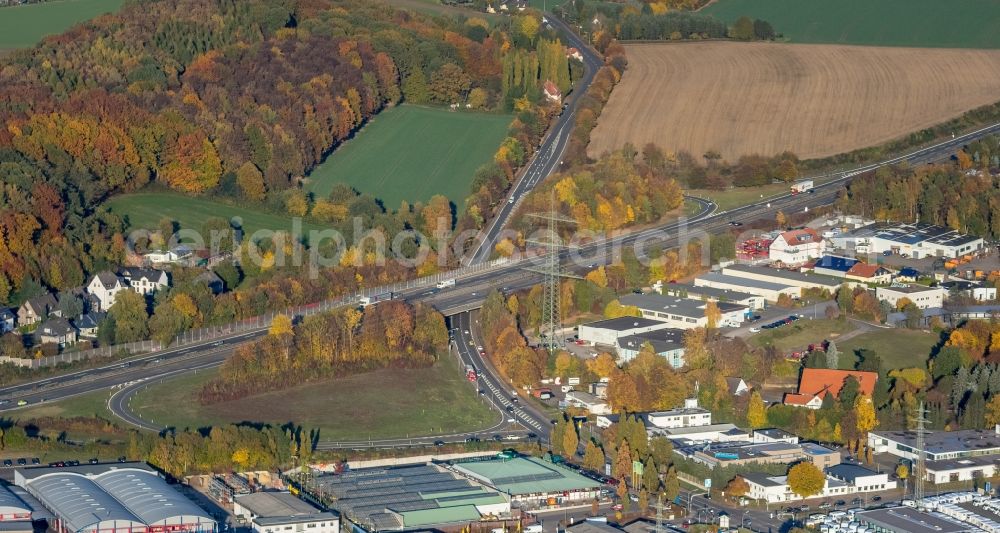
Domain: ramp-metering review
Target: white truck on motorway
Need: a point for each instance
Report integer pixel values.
(372, 300)
(802, 186)
(446, 283)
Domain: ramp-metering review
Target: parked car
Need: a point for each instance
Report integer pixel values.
(8, 462)
(754, 330)
(22, 461)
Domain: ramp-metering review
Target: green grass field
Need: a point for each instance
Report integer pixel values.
(412, 153)
(86, 405)
(372, 405)
(898, 348)
(930, 23)
(802, 333)
(145, 210)
(23, 26)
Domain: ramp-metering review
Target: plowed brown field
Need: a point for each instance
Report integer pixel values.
(765, 98)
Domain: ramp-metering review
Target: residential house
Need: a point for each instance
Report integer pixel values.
(796, 247)
(105, 286)
(551, 91)
(175, 255)
(737, 386)
(145, 280)
(866, 273)
(88, 323)
(37, 308)
(56, 330)
(907, 275)
(816, 383)
(7, 320)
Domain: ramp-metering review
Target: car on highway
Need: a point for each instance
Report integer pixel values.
(510, 408)
(497, 438)
(735, 224)
(21, 403)
(472, 439)
(439, 443)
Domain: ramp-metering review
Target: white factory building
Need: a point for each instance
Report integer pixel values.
(802, 280)
(275, 512)
(923, 297)
(738, 296)
(607, 332)
(683, 313)
(916, 240)
(765, 290)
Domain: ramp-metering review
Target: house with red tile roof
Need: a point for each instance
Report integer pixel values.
(816, 383)
(867, 273)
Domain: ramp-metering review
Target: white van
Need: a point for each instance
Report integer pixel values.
(534, 528)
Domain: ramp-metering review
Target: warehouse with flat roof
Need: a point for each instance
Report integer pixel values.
(767, 290)
(112, 498)
(803, 280)
(270, 512)
(530, 481)
(683, 313)
(411, 496)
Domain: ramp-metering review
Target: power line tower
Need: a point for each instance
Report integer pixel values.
(659, 513)
(552, 270)
(920, 469)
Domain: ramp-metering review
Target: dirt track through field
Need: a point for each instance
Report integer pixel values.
(765, 98)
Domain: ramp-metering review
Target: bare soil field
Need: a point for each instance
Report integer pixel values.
(765, 98)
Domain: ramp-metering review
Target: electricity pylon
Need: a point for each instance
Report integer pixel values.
(552, 270)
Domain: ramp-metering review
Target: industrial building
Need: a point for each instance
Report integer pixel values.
(685, 425)
(908, 520)
(701, 292)
(683, 313)
(921, 296)
(765, 290)
(272, 512)
(916, 240)
(411, 496)
(802, 280)
(666, 342)
(112, 498)
(841, 480)
(743, 453)
(531, 482)
(16, 514)
(938, 445)
(965, 469)
(607, 332)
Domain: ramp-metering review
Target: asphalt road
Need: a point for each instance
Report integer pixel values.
(548, 157)
(469, 292)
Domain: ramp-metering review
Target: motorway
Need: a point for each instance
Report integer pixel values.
(548, 157)
(470, 290)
